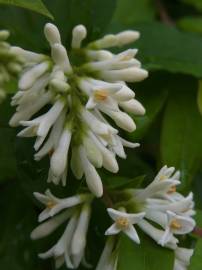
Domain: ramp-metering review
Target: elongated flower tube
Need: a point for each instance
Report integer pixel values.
(76, 212)
(10, 62)
(182, 258)
(79, 97)
(109, 257)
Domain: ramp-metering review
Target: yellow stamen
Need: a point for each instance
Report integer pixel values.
(126, 58)
(101, 95)
(50, 204)
(172, 190)
(122, 222)
(162, 177)
(175, 224)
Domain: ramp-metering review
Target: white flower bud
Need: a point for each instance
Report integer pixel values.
(127, 37)
(133, 106)
(124, 94)
(131, 74)
(99, 55)
(93, 153)
(58, 161)
(50, 226)
(79, 33)
(93, 180)
(4, 34)
(76, 165)
(52, 34)
(123, 120)
(27, 55)
(60, 57)
(105, 42)
(79, 238)
(60, 86)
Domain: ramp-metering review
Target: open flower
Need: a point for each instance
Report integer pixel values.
(169, 212)
(77, 98)
(54, 205)
(70, 248)
(124, 222)
(176, 225)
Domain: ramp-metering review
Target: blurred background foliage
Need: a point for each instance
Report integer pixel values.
(170, 133)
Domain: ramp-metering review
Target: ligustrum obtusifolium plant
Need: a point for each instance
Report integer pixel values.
(74, 104)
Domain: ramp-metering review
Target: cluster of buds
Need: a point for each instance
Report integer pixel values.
(10, 63)
(170, 213)
(76, 212)
(79, 96)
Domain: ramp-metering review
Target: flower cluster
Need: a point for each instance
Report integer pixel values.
(10, 63)
(72, 102)
(80, 89)
(161, 204)
(70, 248)
(158, 210)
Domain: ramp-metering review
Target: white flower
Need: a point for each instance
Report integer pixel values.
(164, 207)
(119, 39)
(79, 33)
(76, 98)
(176, 224)
(182, 258)
(109, 257)
(54, 205)
(157, 234)
(180, 207)
(93, 180)
(70, 248)
(163, 185)
(124, 222)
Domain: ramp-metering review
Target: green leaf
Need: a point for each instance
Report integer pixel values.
(197, 257)
(146, 256)
(165, 48)
(152, 93)
(136, 10)
(191, 24)
(8, 167)
(117, 182)
(18, 218)
(182, 129)
(195, 3)
(27, 27)
(34, 5)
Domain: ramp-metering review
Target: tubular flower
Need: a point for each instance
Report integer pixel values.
(164, 206)
(70, 248)
(109, 257)
(158, 210)
(124, 222)
(182, 258)
(79, 94)
(10, 63)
